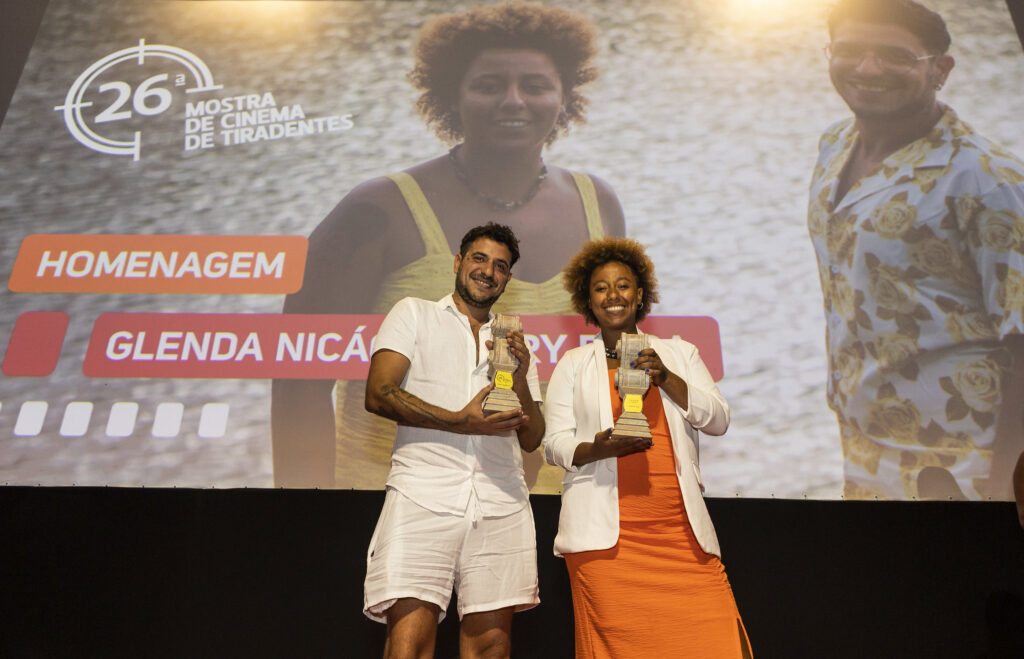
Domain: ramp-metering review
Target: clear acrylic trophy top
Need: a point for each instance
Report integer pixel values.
(627, 378)
(500, 357)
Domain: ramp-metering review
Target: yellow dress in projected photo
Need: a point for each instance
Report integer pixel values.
(363, 440)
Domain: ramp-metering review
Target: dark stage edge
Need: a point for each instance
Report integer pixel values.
(111, 572)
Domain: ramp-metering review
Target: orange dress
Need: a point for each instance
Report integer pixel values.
(655, 592)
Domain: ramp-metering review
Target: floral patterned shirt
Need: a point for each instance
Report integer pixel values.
(922, 270)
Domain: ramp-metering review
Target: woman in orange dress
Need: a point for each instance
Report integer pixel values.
(642, 554)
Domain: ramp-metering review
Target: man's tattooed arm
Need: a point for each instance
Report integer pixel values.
(409, 410)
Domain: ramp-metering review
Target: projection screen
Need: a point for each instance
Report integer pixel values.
(165, 162)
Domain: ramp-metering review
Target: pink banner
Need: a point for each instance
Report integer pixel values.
(311, 346)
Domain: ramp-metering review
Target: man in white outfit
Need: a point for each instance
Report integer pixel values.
(456, 512)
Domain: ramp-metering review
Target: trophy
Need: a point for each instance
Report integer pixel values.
(632, 384)
(501, 364)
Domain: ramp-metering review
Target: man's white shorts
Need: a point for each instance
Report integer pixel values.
(415, 552)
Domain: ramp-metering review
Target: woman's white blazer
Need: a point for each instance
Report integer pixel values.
(578, 406)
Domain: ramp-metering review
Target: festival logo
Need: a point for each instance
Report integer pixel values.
(113, 101)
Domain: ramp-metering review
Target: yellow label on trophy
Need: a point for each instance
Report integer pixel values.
(503, 379)
(633, 403)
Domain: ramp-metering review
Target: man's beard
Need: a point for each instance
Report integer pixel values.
(467, 297)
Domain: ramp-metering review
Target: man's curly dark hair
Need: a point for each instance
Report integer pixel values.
(499, 233)
(595, 253)
(448, 44)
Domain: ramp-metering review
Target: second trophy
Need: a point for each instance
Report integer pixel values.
(632, 384)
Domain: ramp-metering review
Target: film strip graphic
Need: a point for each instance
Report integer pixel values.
(120, 421)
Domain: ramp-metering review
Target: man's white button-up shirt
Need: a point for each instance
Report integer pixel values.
(435, 468)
